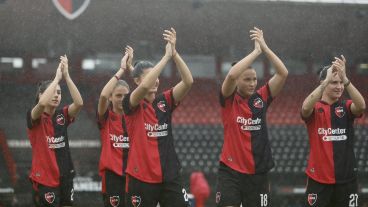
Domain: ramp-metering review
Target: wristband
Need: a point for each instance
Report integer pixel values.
(117, 78)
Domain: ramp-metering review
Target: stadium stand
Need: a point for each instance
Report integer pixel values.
(197, 131)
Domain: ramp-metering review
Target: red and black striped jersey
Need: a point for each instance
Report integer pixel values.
(152, 157)
(51, 157)
(331, 137)
(114, 143)
(246, 147)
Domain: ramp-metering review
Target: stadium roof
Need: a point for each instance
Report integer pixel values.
(210, 27)
(327, 1)
(310, 1)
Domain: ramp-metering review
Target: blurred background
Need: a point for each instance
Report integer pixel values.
(211, 34)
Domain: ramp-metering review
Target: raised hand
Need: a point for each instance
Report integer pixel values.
(170, 37)
(331, 72)
(130, 52)
(64, 65)
(339, 65)
(123, 62)
(168, 50)
(257, 47)
(257, 35)
(59, 73)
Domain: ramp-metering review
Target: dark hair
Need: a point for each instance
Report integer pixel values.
(41, 87)
(233, 63)
(139, 67)
(122, 83)
(323, 72)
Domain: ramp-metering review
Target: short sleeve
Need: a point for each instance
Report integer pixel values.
(348, 106)
(169, 97)
(30, 122)
(101, 121)
(307, 119)
(66, 115)
(223, 99)
(128, 110)
(265, 93)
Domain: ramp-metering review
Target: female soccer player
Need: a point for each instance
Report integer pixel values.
(52, 168)
(246, 154)
(153, 166)
(332, 168)
(114, 137)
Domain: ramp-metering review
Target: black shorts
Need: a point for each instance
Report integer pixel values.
(331, 195)
(54, 196)
(149, 194)
(113, 189)
(235, 188)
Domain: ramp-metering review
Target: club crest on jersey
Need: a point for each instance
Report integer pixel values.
(218, 197)
(258, 103)
(71, 9)
(136, 201)
(161, 105)
(312, 198)
(60, 120)
(50, 197)
(114, 200)
(339, 111)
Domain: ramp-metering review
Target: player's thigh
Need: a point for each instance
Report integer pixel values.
(346, 194)
(227, 190)
(256, 190)
(141, 193)
(44, 196)
(114, 195)
(317, 194)
(66, 191)
(174, 194)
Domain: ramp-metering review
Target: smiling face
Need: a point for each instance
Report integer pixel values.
(334, 88)
(117, 97)
(247, 82)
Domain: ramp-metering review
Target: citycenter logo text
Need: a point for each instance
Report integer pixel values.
(56, 142)
(249, 124)
(119, 141)
(332, 134)
(156, 130)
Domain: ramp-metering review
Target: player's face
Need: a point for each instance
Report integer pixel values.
(335, 87)
(247, 82)
(56, 97)
(117, 97)
(155, 87)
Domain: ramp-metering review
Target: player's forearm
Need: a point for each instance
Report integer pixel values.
(108, 88)
(311, 100)
(242, 65)
(48, 93)
(76, 96)
(150, 79)
(276, 62)
(185, 74)
(356, 97)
